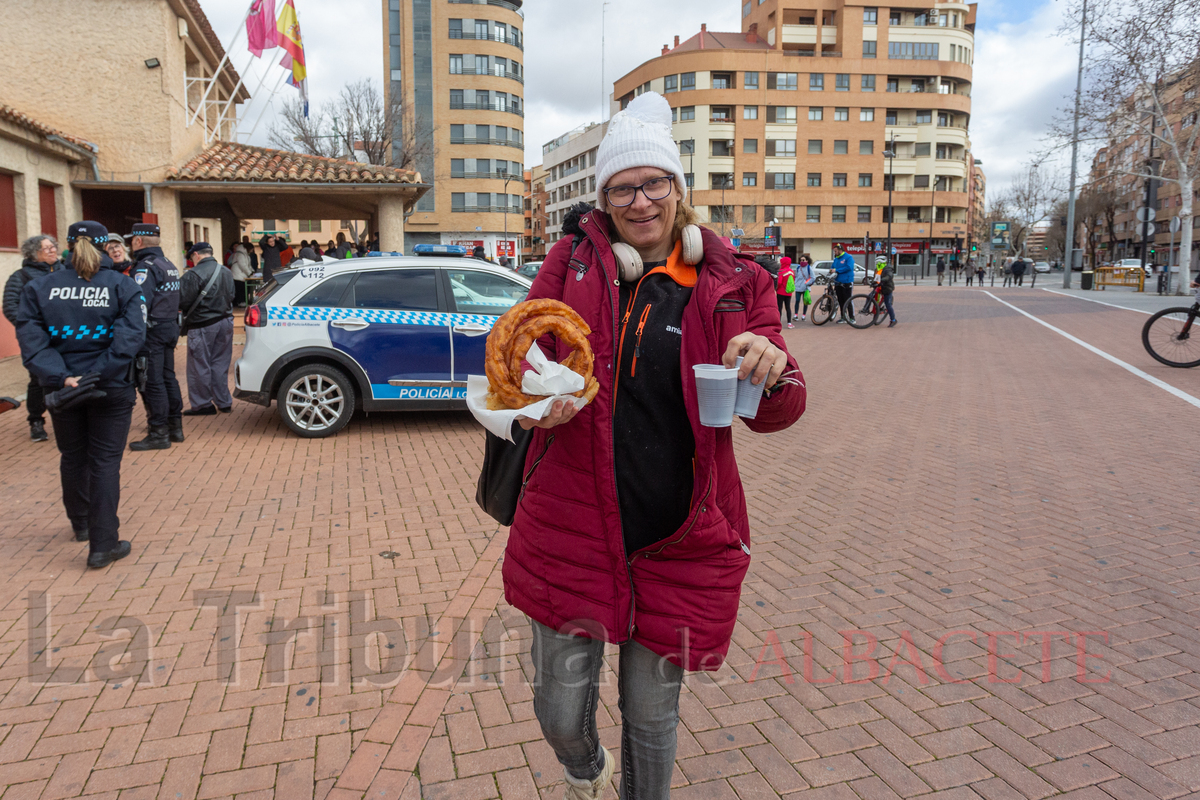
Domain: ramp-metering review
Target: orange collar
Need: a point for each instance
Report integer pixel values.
(676, 270)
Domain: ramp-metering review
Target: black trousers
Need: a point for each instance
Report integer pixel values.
(91, 438)
(35, 400)
(162, 394)
(844, 290)
(784, 302)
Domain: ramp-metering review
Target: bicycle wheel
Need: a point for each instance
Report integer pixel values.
(880, 311)
(863, 310)
(1173, 337)
(822, 312)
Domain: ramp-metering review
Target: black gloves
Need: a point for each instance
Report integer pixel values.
(70, 396)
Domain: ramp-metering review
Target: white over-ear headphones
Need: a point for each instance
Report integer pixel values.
(629, 261)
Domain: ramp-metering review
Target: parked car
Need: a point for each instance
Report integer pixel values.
(529, 269)
(824, 272)
(377, 334)
(1041, 266)
(1133, 263)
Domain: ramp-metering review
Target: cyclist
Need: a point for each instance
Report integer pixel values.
(843, 267)
(887, 285)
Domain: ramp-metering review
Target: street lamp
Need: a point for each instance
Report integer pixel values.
(890, 155)
(726, 183)
(1074, 152)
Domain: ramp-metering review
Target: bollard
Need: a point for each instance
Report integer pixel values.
(1033, 282)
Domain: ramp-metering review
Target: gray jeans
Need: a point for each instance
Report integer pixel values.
(565, 694)
(210, 350)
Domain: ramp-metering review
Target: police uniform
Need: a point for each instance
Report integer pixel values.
(159, 279)
(71, 327)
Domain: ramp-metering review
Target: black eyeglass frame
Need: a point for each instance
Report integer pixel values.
(670, 179)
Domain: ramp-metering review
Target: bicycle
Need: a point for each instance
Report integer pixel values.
(868, 309)
(1172, 337)
(826, 305)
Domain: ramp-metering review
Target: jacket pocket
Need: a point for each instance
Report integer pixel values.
(533, 467)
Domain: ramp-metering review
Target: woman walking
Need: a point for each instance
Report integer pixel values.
(785, 287)
(805, 277)
(79, 331)
(631, 497)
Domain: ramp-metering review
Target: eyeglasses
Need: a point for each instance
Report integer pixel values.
(47, 247)
(654, 189)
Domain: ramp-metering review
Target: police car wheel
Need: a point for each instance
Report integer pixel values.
(316, 400)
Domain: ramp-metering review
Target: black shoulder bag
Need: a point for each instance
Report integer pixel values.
(499, 486)
(185, 318)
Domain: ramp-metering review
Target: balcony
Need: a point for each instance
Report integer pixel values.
(511, 6)
(509, 40)
(459, 105)
(812, 54)
(807, 34)
(495, 73)
(485, 209)
(485, 140)
(496, 176)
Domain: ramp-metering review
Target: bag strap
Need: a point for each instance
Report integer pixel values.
(203, 293)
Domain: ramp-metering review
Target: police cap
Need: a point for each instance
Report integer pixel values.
(89, 228)
(197, 247)
(145, 229)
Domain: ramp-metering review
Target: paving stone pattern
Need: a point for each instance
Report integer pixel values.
(970, 504)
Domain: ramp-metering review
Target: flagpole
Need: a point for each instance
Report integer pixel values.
(263, 112)
(261, 82)
(217, 72)
(233, 95)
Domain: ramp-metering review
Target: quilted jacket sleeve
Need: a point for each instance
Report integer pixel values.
(786, 403)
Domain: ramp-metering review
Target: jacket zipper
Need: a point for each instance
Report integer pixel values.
(534, 466)
(621, 346)
(637, 348)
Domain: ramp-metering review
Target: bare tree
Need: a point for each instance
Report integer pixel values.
(1096, 212)
(1027, 201)
(1143, 73)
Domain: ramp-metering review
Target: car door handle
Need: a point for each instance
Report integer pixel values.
(472, 330)
(353, 324)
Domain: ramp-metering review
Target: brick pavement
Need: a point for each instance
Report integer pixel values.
(967, 498)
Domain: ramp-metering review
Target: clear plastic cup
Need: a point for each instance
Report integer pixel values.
(748, 396)
(716, 390)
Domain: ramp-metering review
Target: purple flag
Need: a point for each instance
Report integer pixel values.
(260, 27)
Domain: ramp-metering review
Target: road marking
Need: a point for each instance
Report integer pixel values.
(1101, 302)
(1166, 387)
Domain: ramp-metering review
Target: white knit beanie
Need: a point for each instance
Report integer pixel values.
(639, 136)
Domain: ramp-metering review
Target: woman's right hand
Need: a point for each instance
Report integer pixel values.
(561, 412)
(71, 383)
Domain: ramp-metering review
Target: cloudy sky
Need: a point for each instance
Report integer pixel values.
(1024, 73)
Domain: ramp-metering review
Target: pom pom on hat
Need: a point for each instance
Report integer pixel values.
(639, 136)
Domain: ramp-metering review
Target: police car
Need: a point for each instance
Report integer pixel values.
(388, 333)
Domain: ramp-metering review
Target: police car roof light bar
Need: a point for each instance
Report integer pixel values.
(439, 250)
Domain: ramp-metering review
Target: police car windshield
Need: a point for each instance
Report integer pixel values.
(277, 280)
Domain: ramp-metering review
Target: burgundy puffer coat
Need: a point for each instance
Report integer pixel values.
(565, 564)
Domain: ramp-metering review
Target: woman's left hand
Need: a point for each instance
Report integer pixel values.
(760, 357)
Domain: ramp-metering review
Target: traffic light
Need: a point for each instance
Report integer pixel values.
(974, 248)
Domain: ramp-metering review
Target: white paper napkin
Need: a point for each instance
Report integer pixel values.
(548, 378)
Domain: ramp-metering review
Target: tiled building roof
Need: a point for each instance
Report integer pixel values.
(717, 40)
(227, 161)
(10, 114)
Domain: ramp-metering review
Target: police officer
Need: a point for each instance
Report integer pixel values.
(159, 279)
(79, 331)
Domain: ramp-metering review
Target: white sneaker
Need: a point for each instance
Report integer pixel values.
(790, 325)
(580, 789)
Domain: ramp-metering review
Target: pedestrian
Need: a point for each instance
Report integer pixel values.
(206, 295)
(1018, 271)
(979, 274)
(88, 379)
(843, 268)
(634, 471)
(159, 279)
(504, 261)
(250, 251)
(970, 273)
(239, 267)
(272, 261)
(1007, 272)
(805, 277)
(477, 252)
(115, 247)
(941, 269)
(785, 287)
(887, 285)
(286, 255)
(39, 257)
(308, 254)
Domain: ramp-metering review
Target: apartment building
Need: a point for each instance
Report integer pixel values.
(788, 121)
(534, 247)
(457, 65)
(570, 163)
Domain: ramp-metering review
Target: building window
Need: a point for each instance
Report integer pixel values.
(674, 114)
(456, 65)
(870, 16)
(866, 147)
(839, 179)
(925, 117)
(749, 179)
(783, 81)
(689, 179)
(893, 85)
(310, 226)
(722, 80)
(814, 179)
(839, 213)
(841, 147)
(894, 18)
(687, 113)
(720, 180)
(750, 80)
(749, 214)
(922, 149)
(782, 114)
(720, 114)
(944, 119)
(814, 147)
(920, 181)
(687, 81)
(841, 114)
(842, 83)
(781, 180)
(749, 145)
(813, 214)
(785, 148)
(816, 83)
(868, 83)
(721, 147)
(914, 214)
(889, 182)
(750, 112)
(458, 201)
(864, 179)
(686, 147)
(890, 117)
(720, 213)
(779, 213)
(916, 51)
(8, 211)
(866, 115)
(869, 49)
(670, 84)
(816, 114)
(864, 213)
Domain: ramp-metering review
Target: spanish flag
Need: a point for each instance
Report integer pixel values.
(290, 40)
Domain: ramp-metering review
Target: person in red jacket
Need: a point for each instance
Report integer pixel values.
(632, 526)
(783, 292)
